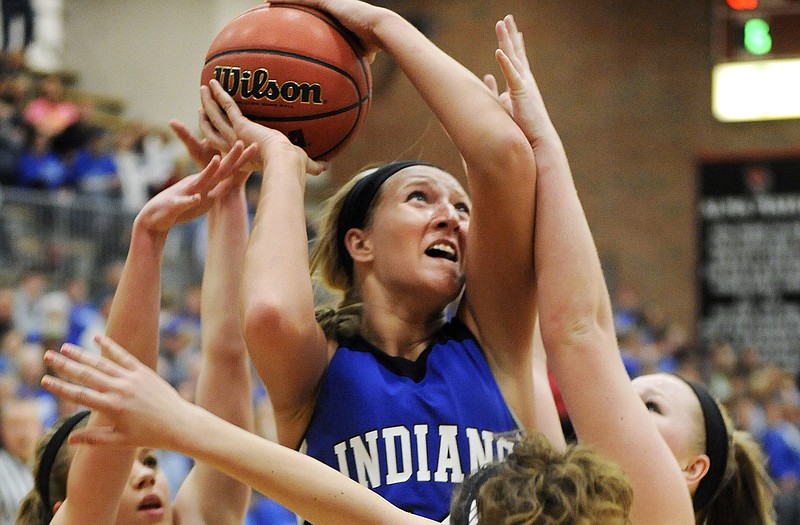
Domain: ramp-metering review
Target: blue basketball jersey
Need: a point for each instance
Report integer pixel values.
(411, 430)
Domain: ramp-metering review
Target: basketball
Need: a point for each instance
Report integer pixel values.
(296, 70)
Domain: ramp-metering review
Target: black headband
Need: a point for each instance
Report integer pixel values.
(716, 446)
(49, 457)
(353, 212)
(461, 511)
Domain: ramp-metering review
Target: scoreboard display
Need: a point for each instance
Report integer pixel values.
(748, 211)
(756, 47)
(761, 33)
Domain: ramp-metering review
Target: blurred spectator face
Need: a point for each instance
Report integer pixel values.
(30, 365)
(20, 427)
(724, 358)
(774, 412)
(751, 359)
(192, 300)
(77, 290)
(52, 87)
(174, 342)
(12, 343)
(739, 385)
(8, 385)
(6, 304)
(627, 297)
(33, 284)
(17, 89)
(742, 408)
(114, 274)
(764, 381)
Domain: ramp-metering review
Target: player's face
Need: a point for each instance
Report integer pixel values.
(146, 498)
(418, 233)
(675, 411)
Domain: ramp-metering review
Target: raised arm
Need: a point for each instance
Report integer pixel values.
(499, 303)
(223, 387)
(155, 415)
(97, 477)
(576, 322)
(287, 346)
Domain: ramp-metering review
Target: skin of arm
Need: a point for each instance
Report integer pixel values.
(104, 472)
(207, 495)
(97, 477)
(548, 421)
(146, 411)
(500, 310)
(576, 319)
(287, 346)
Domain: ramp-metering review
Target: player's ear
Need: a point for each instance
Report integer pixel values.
(358, 245)
(696, 470)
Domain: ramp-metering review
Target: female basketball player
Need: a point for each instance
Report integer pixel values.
(124, 486)
(690, 422)
(535, 484)
(386, 388)
(645, 426)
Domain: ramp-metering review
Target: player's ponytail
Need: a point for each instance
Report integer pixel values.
(745, 498)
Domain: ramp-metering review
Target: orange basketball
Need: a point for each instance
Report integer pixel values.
(297, 70)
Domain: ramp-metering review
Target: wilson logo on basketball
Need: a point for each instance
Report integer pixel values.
(257, 85)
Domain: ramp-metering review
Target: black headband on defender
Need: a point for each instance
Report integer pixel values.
(353, 212)
(49, 457)
(463, 509)
(716, 447)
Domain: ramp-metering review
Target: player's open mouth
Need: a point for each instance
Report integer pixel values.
(442, 250)
(150, 503)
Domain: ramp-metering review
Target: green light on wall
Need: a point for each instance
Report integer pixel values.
(757, 39)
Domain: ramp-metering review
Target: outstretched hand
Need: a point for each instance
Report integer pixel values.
(145, 409)
(522, 98)
(223, 124)
(192, 196)
(199, 149)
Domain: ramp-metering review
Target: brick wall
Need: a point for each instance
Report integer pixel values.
(628, 85)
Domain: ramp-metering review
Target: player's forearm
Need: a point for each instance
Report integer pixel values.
(474, 120)
(219, 311)
(225, 364)
(573, 298)
(300, 483)
(276, 262)
(133, 318)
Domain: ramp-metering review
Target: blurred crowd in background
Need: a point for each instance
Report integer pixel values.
(70, 164)
(61, 145)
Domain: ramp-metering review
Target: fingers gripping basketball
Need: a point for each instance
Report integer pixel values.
(294, 69)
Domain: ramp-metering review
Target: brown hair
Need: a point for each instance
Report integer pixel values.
(538, 484)
(746, 494)
(326, 261)
(33, 509)
(329, 266)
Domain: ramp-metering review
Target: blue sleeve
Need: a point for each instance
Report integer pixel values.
(780, 460)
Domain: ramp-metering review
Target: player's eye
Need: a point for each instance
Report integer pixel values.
(652, 406)
(150, 461)
(417, 195)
